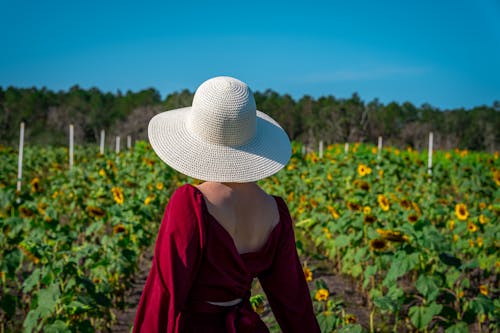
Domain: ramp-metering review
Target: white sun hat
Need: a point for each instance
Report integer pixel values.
(222, 137)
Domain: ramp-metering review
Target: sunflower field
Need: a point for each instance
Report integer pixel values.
(423, 249)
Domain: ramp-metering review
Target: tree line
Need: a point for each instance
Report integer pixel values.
(47, 115)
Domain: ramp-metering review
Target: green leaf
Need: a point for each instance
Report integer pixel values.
(31, 321)
(342, 240)
(327, 321)
(385, 303)
(460, 327)
(47, 299)
(401, 264)
(421, 316)
(57, 327)
(31, 281)
(351, 328)
(427, 287)
(482, 304)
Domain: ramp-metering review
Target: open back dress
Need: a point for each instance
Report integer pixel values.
(196, 261)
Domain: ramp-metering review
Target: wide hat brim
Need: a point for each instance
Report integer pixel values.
(266, 153)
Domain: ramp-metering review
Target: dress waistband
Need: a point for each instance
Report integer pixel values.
(239, 318)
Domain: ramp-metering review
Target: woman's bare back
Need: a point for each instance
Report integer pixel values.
(244, 210)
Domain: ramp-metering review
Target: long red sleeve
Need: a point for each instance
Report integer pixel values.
(176, 258)
(286, 288)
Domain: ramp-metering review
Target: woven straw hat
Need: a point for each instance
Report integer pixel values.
(222, 137)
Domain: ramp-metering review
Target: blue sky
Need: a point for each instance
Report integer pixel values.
(446, 53)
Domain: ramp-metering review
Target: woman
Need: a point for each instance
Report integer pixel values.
(217, 237)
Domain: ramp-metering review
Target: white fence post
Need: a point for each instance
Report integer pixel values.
(101, 148)
(71, 147)
(346, 147)
(20, 160)
(321, 149)
(129, 142)
(117, 146)
(429, 162)
(379, 152)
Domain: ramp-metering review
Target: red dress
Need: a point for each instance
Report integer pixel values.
(196, 260)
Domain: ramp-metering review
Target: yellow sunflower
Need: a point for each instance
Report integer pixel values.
(370, 219)
(471, 227)
(321, 295)
(483, 289)
(159, 186)
(405, 203)
(383, 202)
(496, 177)
(35, 185)
(367, 210)
(118, 229)
(378, 244)
(350, 319)
(118, 195)
(412, 218)
(353, 206)
(392, 235)
(461, 212)
(333, 211)
(307, 274)
(363, 170)
(94, 211)
(483, 219)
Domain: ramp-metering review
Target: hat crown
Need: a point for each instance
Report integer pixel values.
(223, 112)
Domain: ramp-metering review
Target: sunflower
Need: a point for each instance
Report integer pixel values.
(25, 212)
(41, 207)
(102, 173)
(112, 166)
(159, 186)
(363, 170)
(367, 210)
(118, 229)
(118, 195)
(148, 199)
(27, 252)
(471, 227)
(370, 219)
(313, 203)
(392, 235)
(461, 212)
(148, 161)
(333, 211)
(327, 233)
(350, 319)
(483, 289)
(482, 205)
(378, 244)
(353, 206)
(496, 177)
(480, 242)
(321, 295)
(483, 219)
(412, 218)
(383, 202)
(405, 203)
(94, 211)
(362, 185)
(307, 274)
(35, 185)
(451, 224)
